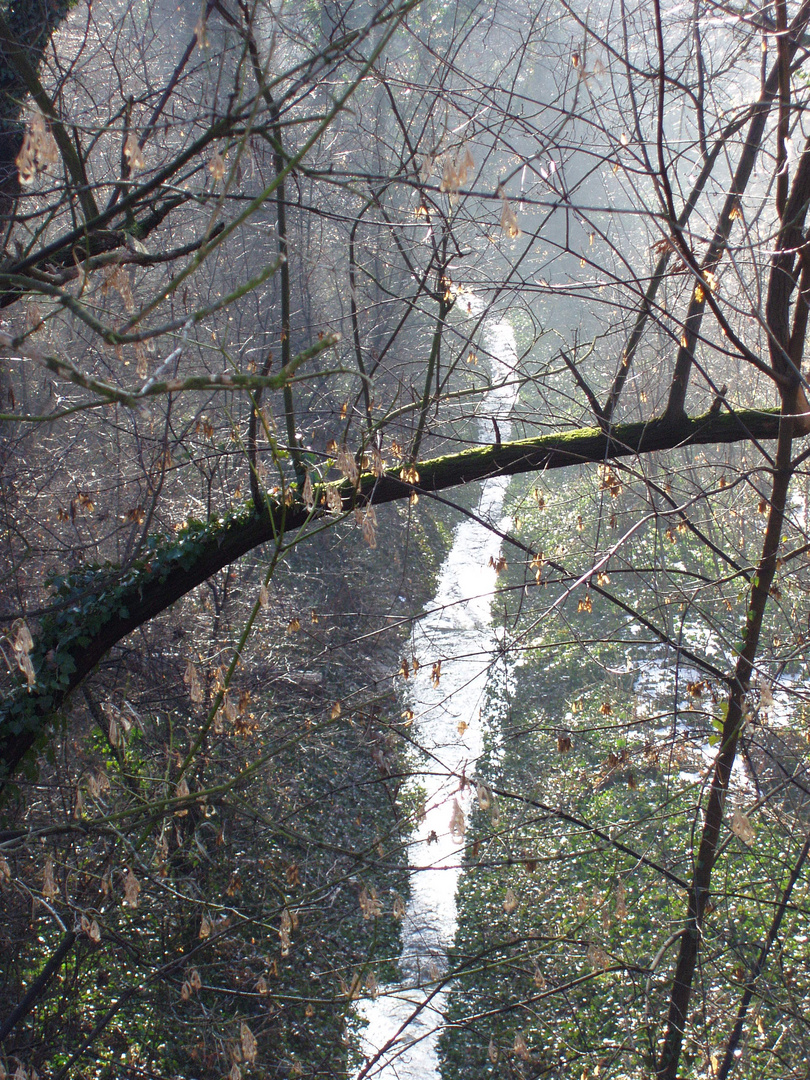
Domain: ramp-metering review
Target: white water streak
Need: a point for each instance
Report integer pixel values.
(404, 1022)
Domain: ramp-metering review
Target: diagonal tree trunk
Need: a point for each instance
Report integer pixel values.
(786, 350)
(676, 405)
(699, 888)
(100, 607)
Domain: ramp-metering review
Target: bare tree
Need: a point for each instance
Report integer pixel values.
(250, 278)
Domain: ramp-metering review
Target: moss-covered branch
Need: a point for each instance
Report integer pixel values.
(97, 607)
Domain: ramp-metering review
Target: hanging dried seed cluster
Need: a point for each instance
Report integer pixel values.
(455, 172)
(133, 154)
(39, 150)
(21, 645)
(509, 221)
(366, 519)
(117, 278)
(457, 823)
(370, 904)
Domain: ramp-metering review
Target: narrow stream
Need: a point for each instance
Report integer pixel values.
(404, 1021)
